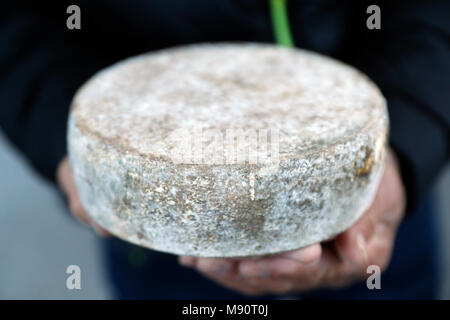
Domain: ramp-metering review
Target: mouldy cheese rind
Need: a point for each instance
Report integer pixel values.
(130, 124)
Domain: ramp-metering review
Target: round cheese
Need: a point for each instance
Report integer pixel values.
(227, 150)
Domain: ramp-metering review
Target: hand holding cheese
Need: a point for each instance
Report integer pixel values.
(131, 122)
(227, 150)
(331, 264)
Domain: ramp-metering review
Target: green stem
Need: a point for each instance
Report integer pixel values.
(280, 23)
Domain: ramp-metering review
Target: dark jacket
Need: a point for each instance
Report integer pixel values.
(42, 63)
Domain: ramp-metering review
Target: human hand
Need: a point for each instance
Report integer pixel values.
(66, 182)
(334, 263)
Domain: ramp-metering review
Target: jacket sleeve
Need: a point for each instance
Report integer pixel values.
(409, 58)
(42, 64)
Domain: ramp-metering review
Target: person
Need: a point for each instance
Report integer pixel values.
(42, 64)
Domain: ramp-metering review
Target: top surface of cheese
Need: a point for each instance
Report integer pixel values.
(148, 103)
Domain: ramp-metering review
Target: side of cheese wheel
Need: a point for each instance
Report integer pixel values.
(227, 150)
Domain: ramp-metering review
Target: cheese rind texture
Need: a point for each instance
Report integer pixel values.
(227, 150)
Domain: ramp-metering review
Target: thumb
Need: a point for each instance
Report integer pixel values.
(67, 185)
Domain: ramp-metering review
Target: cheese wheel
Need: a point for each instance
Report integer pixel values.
(227, 150)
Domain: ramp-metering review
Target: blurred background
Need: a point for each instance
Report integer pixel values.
(38, 239)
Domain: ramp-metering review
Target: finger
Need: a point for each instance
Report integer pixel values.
(343, 266)
(351, 246)
(187, 261)
(269, 284)
(67, 184)
(366, 223)
(378, 252)
(300, 276)
(250, 285)
(380, 248)
(100, 230)
(332, 270)
(214, 266)
(307, 255)
(285, 264)
(239, 285)
(78, 211)
(65, 179)
(390, 200)
(224, 272)
(386, 209)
